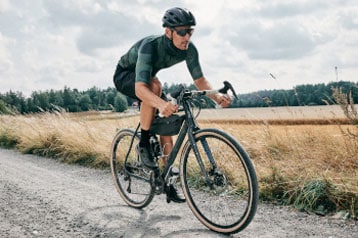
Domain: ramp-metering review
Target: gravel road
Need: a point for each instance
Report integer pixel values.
(41, 197)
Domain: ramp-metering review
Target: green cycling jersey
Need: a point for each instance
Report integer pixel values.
(153, 53)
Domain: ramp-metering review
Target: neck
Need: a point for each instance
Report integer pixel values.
(171, 48)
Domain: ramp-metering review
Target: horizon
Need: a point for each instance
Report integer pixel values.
(256, 45)
(171, 84)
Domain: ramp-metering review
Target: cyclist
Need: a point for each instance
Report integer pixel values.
(135, 76)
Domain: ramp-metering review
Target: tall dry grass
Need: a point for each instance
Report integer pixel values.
(310, 166)
(288, 158)
(67, 137)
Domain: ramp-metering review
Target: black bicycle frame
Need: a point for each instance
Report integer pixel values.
(189, 128)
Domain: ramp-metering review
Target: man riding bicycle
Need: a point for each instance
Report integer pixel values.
(135, 76)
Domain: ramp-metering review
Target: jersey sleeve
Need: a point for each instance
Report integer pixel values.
(192, 62)
(144, 64)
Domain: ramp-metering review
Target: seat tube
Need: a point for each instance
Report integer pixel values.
(173, 154)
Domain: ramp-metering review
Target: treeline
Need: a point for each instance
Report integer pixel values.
(73, 100)
(301, 95)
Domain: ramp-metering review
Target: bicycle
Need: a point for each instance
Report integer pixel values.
(216, 174)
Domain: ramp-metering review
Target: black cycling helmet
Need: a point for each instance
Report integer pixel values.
(177, 16)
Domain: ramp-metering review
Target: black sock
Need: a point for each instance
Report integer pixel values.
(144, 138)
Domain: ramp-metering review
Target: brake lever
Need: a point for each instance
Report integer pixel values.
(226, 88)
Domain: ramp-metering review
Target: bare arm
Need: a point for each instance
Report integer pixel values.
(144, 93)
(203, 84)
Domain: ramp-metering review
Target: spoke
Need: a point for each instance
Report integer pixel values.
(224, 205)
(131, 179)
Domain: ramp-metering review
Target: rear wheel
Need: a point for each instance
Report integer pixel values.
(223, 196)
(132, 180)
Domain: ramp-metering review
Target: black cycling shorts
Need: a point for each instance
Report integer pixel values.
(124, 80)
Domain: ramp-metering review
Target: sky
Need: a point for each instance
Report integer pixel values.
(254, 44)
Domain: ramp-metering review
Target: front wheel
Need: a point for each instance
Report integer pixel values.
(131, 178)
(219, 181)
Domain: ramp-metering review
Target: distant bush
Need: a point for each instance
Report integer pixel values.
(120, 103)
(4, 109)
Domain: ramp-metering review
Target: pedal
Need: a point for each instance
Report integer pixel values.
(158, 185)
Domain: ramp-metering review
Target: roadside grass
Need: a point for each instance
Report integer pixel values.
(313, 167)
(63, 136)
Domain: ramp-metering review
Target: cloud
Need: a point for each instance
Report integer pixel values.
(102, 25)
(280, 9)
(4, 6)
(5, 65)
(350, 20)
(48, 43)
(279, 41)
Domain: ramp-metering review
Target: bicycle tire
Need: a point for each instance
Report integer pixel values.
(229, 203)
(132, 180)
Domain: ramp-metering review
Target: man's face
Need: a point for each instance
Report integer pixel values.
(181, 36)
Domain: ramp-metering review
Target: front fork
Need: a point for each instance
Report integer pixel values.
(198, 157)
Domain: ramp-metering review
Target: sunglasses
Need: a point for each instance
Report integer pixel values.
(183, 32)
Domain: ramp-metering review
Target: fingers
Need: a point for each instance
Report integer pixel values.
(224, 101)
(168, 109)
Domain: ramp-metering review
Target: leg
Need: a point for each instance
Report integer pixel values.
(147, 112)
(172, 191)
(124, 81)
(167, 144)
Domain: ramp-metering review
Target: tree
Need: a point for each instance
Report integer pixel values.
(110, 96)
(69, 100)
(85, 102)
(3, 108)
(55, 98)
(41, 100)
(107, 99)
(16, 100)
(120, 103)
(95, 97)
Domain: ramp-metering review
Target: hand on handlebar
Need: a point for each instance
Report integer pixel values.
(167, 109)
(220, 96)
(223, 100)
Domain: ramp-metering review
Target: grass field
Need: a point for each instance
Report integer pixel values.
(305, 158)
(278, 115)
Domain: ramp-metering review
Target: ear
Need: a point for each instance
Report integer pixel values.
(169, 33)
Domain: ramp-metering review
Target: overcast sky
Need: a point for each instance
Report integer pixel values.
(49, 44)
